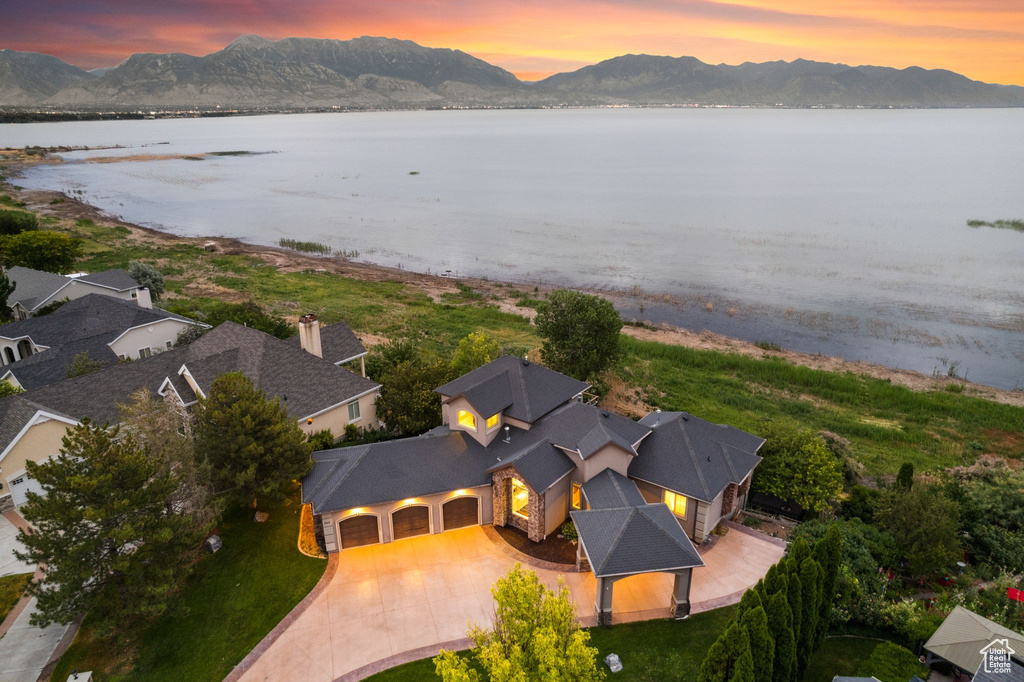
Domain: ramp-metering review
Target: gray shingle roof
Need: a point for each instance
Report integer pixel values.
(587, 429)
(634, 539)
(693, 456)
(33, 286)
(116, 279)
(610, 489)
(337, 342)
(535, 389)
(305, 383)
(1015, 674)
(395, 470)
(15, 411)
(50, 366)
(539, 462)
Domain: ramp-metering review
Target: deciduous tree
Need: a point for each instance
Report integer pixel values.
(927, 525)
(41, 250)
(580, 333)
(147, 276)
(535, 637)
(250, 442)
(107, 531)
(407, 402)
(797, 466)
(474, 351)
(7, 288)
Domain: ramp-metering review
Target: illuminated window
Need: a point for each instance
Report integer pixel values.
(467, 420)
(677, 503)
(577, 496)
(492, 422)
(520, 499)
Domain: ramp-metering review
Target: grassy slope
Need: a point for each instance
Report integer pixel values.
(233, 599)
(651, 651)
(887, 424)
(11, 587)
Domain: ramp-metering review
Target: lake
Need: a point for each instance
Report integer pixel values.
(840, 232)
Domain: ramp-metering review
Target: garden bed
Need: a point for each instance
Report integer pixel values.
(554, 549)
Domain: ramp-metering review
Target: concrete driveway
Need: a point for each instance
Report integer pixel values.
(387, 603)
(9, 564)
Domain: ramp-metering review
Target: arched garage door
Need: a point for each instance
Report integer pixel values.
(410, 521)
(358, 531)
(461, 512)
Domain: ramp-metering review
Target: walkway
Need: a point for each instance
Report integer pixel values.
(24, 649)
(400, 601)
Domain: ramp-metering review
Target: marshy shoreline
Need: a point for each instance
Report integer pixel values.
(503, 294)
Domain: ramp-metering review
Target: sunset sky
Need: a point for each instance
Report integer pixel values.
(983, 39)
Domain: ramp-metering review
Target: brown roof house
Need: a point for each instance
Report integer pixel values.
(519, 447)
(317, 393)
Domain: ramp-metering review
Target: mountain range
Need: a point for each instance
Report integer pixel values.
(368, 72)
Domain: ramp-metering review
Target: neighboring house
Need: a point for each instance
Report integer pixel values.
(36, 288)
(518, 447)
(334, 342)
(317, 394)
(37, 351)
(966, 639)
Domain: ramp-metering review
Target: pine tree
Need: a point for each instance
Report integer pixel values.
(106, 529)
(799, 550)
(750, 599)
(811, 578)
(794, 596)
(729, 659)
(780, 623)
(773, 580)
(828, 552)
(762, 644)
(250, 442)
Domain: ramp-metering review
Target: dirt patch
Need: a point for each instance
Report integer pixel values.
(625, 399)
(554, 549)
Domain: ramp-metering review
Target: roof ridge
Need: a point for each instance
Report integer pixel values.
(521, 386)
(694, 458)
(728, 461)
(664, 532)
(630, 513)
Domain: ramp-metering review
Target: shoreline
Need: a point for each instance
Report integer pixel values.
(496, 291)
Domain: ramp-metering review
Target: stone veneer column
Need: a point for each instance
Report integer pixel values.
(499, 502)
(533, 526)
(728, 499)
(536, 521)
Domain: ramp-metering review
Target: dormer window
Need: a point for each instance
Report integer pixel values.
(492, 423)
(467, 420)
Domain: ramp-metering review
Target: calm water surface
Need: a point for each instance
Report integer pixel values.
(841, 232)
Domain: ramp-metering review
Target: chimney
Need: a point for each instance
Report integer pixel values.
(143, 298)
(657, 419)
(309, 335)
(508, 435)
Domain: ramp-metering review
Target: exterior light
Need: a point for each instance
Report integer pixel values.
(309, 421)
(460, 492)
(409, 501)
(357, 510)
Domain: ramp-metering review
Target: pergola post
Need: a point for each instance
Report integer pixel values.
(681, 593)
(603, 604)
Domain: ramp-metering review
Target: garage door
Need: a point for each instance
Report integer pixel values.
(460, 512)
(358, 531)
(411, 521)
(19, 485)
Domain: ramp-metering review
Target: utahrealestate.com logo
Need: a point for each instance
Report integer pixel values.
(997, 657)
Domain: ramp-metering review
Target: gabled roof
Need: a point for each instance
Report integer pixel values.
(530, 393)
(306, 384)
(634, 539)
(692, 456)
(586, 429)
(963, 634)
(33, 286)
(17, 414)
(610, 489)
(116, 279)
(435, 462)
(539, 463)
(337, 342)
(1016, 673)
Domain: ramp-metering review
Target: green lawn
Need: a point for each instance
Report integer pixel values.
(11, 587)
(839, 656)
(651, 651)
(231, 601)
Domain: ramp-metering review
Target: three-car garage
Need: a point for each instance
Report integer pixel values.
(411, 518)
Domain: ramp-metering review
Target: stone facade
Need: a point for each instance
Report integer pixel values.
(532, 526)
(729, 499)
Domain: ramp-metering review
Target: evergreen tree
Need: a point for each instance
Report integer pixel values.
(780, 623)
(762, 644)
(7, 288)
(729, 659)
(798, 551)
(750, 600)
(811, 577)
(905, 476)
(794, 595)
(250, 442)
(106, 529)
(147, 276)
(828, 552)
(774, 580)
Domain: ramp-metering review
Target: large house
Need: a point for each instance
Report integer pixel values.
(36, 351)
(35, 288)
(317, 393)
(520, 447)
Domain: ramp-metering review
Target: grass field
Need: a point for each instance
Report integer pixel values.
(11, 588)
(838, 656)
(651, 651)
(231, 601)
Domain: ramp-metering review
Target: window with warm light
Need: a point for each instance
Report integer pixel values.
(520, 499)
(492, 422)
(577, 495)
(467, 420)
(677, 503)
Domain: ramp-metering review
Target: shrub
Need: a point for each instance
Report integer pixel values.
(892, 663)
(41, 250)
(321, 440)
(569, 532)
(147, 276)
(16, 222)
